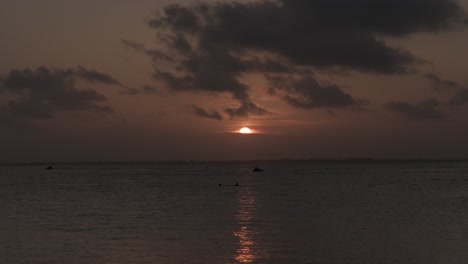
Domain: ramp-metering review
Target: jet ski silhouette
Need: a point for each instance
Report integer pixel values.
(257, 169)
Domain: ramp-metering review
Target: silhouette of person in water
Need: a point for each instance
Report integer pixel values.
(237, 184)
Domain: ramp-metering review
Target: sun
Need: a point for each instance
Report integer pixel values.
(245, 130)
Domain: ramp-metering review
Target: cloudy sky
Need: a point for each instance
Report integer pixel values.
(115, 80)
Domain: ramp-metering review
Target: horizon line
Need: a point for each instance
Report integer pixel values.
(370, 160)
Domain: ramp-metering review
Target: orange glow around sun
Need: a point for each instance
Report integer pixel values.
(245, 130)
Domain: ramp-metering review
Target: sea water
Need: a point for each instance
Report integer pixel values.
(193, 212)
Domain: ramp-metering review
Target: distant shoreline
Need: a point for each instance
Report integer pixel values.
(350, 160)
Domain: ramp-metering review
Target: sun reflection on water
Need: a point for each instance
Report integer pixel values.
(246, 209)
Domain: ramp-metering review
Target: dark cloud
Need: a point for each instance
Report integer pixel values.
(210, 46)
(245, 109)
(307, 92)
(427, 109)
(198, 111)
(439, 84)
(216, 71)
(134, 45)
(459, 93)
(211, 72)
(181, 18)
(460, 98)
(95, 76)
(156, 55)
(319, 33)
(145, 89)
(390, 17)
(40, 93)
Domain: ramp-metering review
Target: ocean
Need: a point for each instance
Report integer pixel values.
(315, 212)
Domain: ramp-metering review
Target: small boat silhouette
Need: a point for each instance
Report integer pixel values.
(49, 168)
(256, 169)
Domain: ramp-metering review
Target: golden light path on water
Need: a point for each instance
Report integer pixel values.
(246, 251)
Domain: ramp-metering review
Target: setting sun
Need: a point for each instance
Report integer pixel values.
(245, 130)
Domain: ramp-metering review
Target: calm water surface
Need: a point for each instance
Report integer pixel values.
(293, 212)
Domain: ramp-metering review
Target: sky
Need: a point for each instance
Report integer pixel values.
(118, 80)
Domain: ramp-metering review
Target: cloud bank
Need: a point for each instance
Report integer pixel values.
(426, 109)
(209, 47)
(203, 113)
(43, 92)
